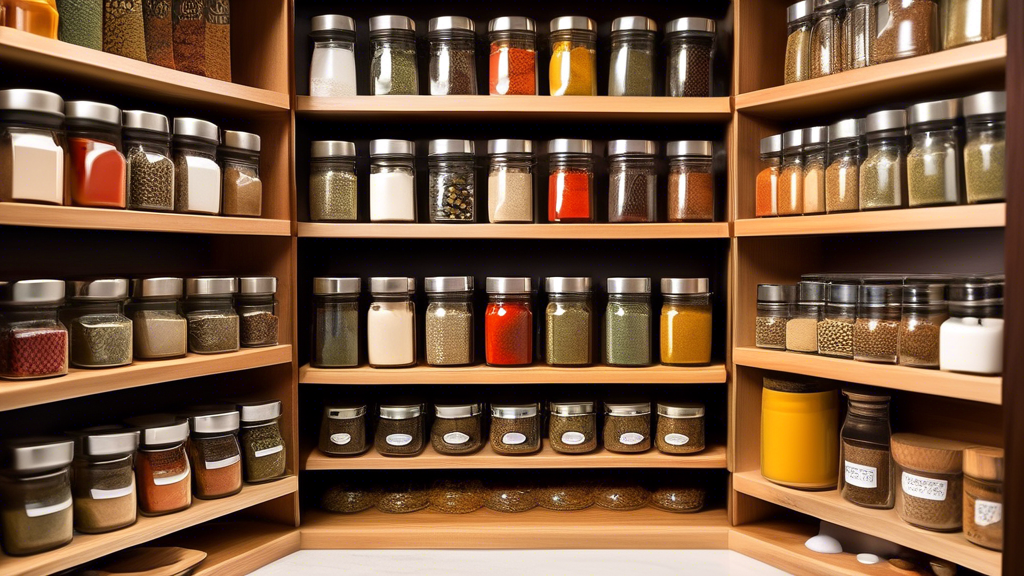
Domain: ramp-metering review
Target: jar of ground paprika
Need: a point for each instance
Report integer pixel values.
(163, 475)
(508, 322)
(570, 180)
(262, 444)
(103, 479)
(513, 56)
(343, 430)
(96, 175)
(33, 342)
(766, 201)
(215, 453)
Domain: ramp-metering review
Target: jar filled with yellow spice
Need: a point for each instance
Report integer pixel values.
(685, 321)
(573, 69)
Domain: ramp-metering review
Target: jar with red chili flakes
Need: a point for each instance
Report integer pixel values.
(33, 342)
(508, 323)
(571, 180)
(97, 169)
(513, 59)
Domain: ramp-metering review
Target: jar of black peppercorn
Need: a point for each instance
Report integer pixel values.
(214, 451)
(400, 430)
(257, 311)
(147, 147)
(452, 58)
(458, 428)
(627, 426)
(101, 335)
(691, 51)
(452, 189)
(343, 430)
(632, 181)
(33, 342)
(680, 428)
(515, 428)
(213, 325)
(572, 427)
(262, 444)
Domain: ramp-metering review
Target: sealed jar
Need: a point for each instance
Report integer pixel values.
(791, 174)
(508, 322)
(562, 496)
(240, 159)
(572, 427)
(343, 430)
(883, 173)
(569, 322)
(621, 495)
(103, 479)
(335, 338)
(35, 484)
(457, 496)
(632, 181)
(38, 17)
(628, 323)
(570, 180)
(627, 426)
(970, 21)
(679, 499)
(573, 67)
(163, 476)
(256, 305)
(452, 182)
(213, 325)
(509, 497)
(799, 16)
(876, 332)
(826, 38)
(515, 428)
(332, 71)
(802, 328)
(845, 154)
(400, 430)
(512, 61)
(147, 149)
(774, 309)
(631, 70)
(101, 335)
(859, 24)
(452, 56)
(933, 162)
(799, 434)
(259, 434)
(908, 28)
(393, 56)
(457, 429)
(685, 321)
(403, 497)
(197, 176)
(766, 193)
(215, 453)
(680, 428)
(924, 311)
(930, 490)
(348, 498)
(333, 190)
(392, 181)
(449, 320)
(691, 53)
(391, 323)
(971, 340)
(865, 454)
(983, 496)
(835, 330)
(96, 167)
(510, 181)
(33, 341)
(815, 143)
(32, 147)
(691, 182)
(985, 150)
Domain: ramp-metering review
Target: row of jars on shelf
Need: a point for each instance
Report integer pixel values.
(44, 323)
(934, 483)
(870, 164)
(391, 326)
(512, 60)
(460, 429)
(830, 36)
(96, 155)
(952, 324)
(452, 190)
(99, 479)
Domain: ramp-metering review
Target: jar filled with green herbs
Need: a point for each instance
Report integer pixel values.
(933, 162)
(343, 430)
(393, 56)
(569, 321)
(262, 444)
(103, 479)
(101, 335)
(883, 174)
(212, 321)
(627, 322)
(572, 427)
(985, 151)
(333, 190)
(35, 495)
(257, 311)
(452, 182)
(335, 338)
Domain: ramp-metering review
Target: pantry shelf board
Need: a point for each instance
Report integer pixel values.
(518, 231)
(987, 389)
(536, 374)
(37, 215)
(942, 218)
(236, 546)
(84, 382)
(969, 67)
(830, 506)
(491, 108)
(120, 74)
(86, 547)
(592, 528)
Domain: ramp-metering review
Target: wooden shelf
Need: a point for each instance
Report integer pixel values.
(86, 547)
(236, 547)
(518, 231)
(83, 382)
(942, 218)
(15, 214)
(537, 374)
(120, 74)
(592, 528)
(591, 108)
(986, 389)
(831, 507)
(967, 66)
(712, 457)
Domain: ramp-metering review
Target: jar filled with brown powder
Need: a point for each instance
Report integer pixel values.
(929, 491)
(35, 495)
(864, 453)
(158, 328)
(162, 473)
(458, 428)
(215, 453)
(515, 428)
(343, 430)
(924, 311)
(103, 479)
(572, 427)
(680, 428)
(627, 426)
(240, 162)
(400, 430)
(691, 182)
(983, 496)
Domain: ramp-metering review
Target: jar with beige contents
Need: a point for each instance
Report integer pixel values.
(835, 330)
(842, 177)
(103, 479)
(924, 311)
(929, 490)
(791, 179)
(815, 143)
(158, 328)
(240, 160)
(802, 328)
(983, 496)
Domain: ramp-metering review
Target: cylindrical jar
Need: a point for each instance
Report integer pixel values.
(876, 330)
(452, 182)
(686, 321)
(883, 173)
(802, 328)
(265, 457)
(34, 147)
(971, 340)
(985, 150)
(815, 143)
(335, 338)
(96, 167)
(33, 341)
(124, 29)
(797, 66)
(679, 499)
(933, 161)
(147, 148)
(800, 434)
(628, 322)
(570, 180)
(332, 71)
(774, 309)
(860, 21)
(911, 28)
(158, 328)
(569, 322)
(791, 174)
(392, 181)
(631, 70)
(515, 428)
(510, 497)
(401, 430)
(513, 56)
(456, 496)
(680, 428)
(452, 56)
(39, 17)
(393, 56)
(983, 496)
(864, 452)
(573, 67)
(510, 181)
(35, 487)
(101, 335)
(620, 495)
(766, 193)
(845, 154)
(691, 181)
(343, 430)
(333, 190)
(572, 427)
(835, 330)
(929, 493)
(103, 479)
(158, 28)
(458, 429)
(240, 159)
(449, 320)
(508, 322)
(632, 181)
(691, 53)
(970, 21)
(627, 426)
(257, 311)
(391, 323)
(924, 311)
(197, 176)
(826, 38)
(215, 453)
(163, 475)
(213, 326)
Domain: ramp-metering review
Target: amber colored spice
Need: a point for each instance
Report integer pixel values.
(159, 32)
(164, 481)
(767, 192)
(189, 22)
(218, 39)
(691, 196)
(685, 334)
(123, 29)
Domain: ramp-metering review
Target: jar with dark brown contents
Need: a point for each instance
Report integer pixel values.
(621, 496)
(162, 472)
(983, 496)
(876, 330)
(924, 311)
(215, 453)
(189, 31)
(502, 497)
(572, 427)
(691, 51)
(147, 150)
(864, 452)
(262, 443)
(632, 181)
(691, 181)
(682, 499)
(400, 430)
(257, 311)
(103, 479)
(515, 428)
(457, 496)
(458, 428)
(343, 430)
(680, 428)
(565, 496)
(403, 497)
(929, 492)
(627, 426)
(348, 499)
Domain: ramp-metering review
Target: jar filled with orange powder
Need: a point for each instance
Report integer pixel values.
(766, 201)
(686, 321)
(571, 180)
(97, 168)
(800, 434)
(513, 56)
(33, 16)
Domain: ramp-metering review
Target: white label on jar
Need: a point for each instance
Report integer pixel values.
(513, 438)
(165, 480)
(222, 463)
(398, 439)
(456, 438)
(341, 439)
(987, 513)
(677, 439)
(861, 476)
(573, 438)
(927, 488)
(268, 451)
(631, 438)
(98, 494)
(35, 510)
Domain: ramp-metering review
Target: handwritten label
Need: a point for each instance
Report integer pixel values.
(861, 476)
(987, 513)
(927, 488)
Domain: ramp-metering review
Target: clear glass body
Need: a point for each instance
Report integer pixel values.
(798, 51)
(449, 328)
(33, 343)
(37, 17)
(985, 159)
(391, 331)
(631, 70)
(343, 436)
(883, 173)
(96, 175)
(842, 177)
(573, 67)
(770, 325)
(627, 330)
(865, 456)
(197, 177)
(400, 437)
(217, 465)
(791, 183)
(158, 328)
(934, 165)
(393, 63)
(906, 28)
(332, 69)
(333, 190)
(456, 436)
(690, 64)
(508, 330)
(243, 189)
(686, 329)
(392, 189)
(802, 328)
(691, 190)
(515, 435)
(969, 21)
(826, 42)
(573, 434)
(36, 512)
(150, 172)
(510, 188)
(919, 334)
(800, 438)
(814, 180)
(513, 63)
(104, 494)
(627, 434)
(164, 480)
(876, 333)
(571, 188)
(932, 512)
(766, 200)
(213, 325)
(860, 21)
(257, 320)
(335, 338)
(452, 63)
(835, 330)
(101, 335)
(452, 189)
(569, 329)
(632, 189)
(983, 512)
(33, 163)
(263, 449)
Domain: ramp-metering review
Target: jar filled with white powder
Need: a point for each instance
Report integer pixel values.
(31, 147)
(971, 340)
(510, 181)
(392, 181)
(197, 176)
(391, 323)
(332, 72)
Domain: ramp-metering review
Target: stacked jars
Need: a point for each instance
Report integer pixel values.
(632, 181)
(333, 190)
(510, 181)
(101, 335)
(332, 72)
(513, 56)
(33, 341)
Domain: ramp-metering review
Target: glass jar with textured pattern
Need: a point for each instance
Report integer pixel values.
(572, 427)
(212, 321)
(452, 56)
(400, 430)
(343, 430)
(101, 335)
(256, 304)
(449, 320)
(691, 54)
(631, 71)
(826, 38)
(33, 341)
(632, 181)
(858, 33)
(883, 173)
(934, 162)
(458, 428)
(573, 67)
(333, 184)
(515, 428)
(569, 322)
(147, 147)
(627, 426)
(985, 150)
(628, 322)
(35, 495)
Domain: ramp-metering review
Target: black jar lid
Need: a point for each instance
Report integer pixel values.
(142, 120)
(27, 456)
(571, 408)
(447, 284)
(257, 285)
(629, 285)
(508, 285)
(211, 286)
(158, 430)
(515, 411)
(634, 24)
(345, 412)
(512, 24)
(32, 292)
(567, 285)
(400, 411)
(98, 290)
(106, 442)
(331, 286)
(214, 420)
(250, 412)
(453, 411)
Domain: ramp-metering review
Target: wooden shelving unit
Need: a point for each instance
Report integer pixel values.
(236, 546)
(517, 231)
(70, 217)
(913, 219)
(537, 374)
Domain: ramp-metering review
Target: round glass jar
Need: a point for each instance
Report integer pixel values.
(569, 322)
(239, 156)
(212, 320)
(572, 427)
(33, 341)
(215, 453)
(147, 150)
(791, 174)
(799, 434)
(971, 340)
(510, 181)
(985, 150)
(859, 24)
(158, 328)
(627, 426)
(680, 428)
(864, 451)
(197, 176)
(513, 56)
(631, 70)
(929, 493)
(835, 330)
(510, 498)
(458, 428)
(766, 187)
(392, 181)
(508, 322)
(628, 322)
(35, 486)
(515, 428)
(842, 177)
(393, 56)
(163, 476)
(403, 497)
(775, 304)
(335, 337)
(34, 147)
(691, 53)
(797, 65)
(876, 330)
(883, 173)
(449, 320)
(391, 323)
(971, 21)
(691, 181)
(911, 29)
(632, 181)
(679, 499)
(934, 161)
(802, 328)
(573, 67)
(96, 168)
(101, 335)
(103, 479)
(333, 185)
(815, 143)
(621, 495)
(343, 430)
(685, 321)
(570, 180)
(265, 457)
(452, 183)
(348, 498)
(332, 69)
(452, 56)
(564, 496)
(826, 39)
(400, 430)
(983, 496)
(257, 311)
(457, 496)
(924, 311)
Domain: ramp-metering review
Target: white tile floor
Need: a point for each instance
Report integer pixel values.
(518, 562)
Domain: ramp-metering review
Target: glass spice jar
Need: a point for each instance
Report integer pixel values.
(256, 305)
(864, 451)
(859, 25)
(38, 17)
(101, 335)
(797, 67)
(983, 496)
(508, 322)
(934, 161)
(924, 311)
(971, 340)
(679, 499)
(691, 53)
(569, 322)
(348, 498)
(393, 56)
(565, 496)
(239, 156)
(691, 181)
(835, 330)
(985, 150)
(766, 193)
(876, 330)
(452, 57)
(845, 154)
(929, 493)
(449, 320)
(96, 176)
(510, 181)
(799, 434)
(333, 190)
(163, 476)
(403, 497)
(103, 479)
(883, 173)
(791, 174)
(632, 181)
(457, 496)
(815, 143)
(35, 487)
(908, 28)
(452, 189)
(572, 427)
(392, 181)
(570, 180)
(627, 426)
(826, 38)
(391, 323)
(631, 70)
(343, 430)
(627, 322)
(573, 67)
(457, 429)
(686, 321)
(513, 56)
(197, 176)
(510, 498)
(263, 448)
(680, 428)
(774, 309)
(147, 149)
(515, 428)
(400, 430)
(213, 326)
(970, 21)
(335, 338)
(620, 494)
(332, 69)
(33, 342)
(32, 147)
(802, 328)
(215, 453)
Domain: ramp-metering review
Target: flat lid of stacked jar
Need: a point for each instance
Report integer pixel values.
(508, 285)
(328, 286)
(978, 290)
(634, 23)
(514, 411)
(257, 285)
(400, 411)
(214, 421)
(345, 412)
(622, 147)
(95, 111)
(771, 144)
(512, 23)
(885, 120)
(984, 463)
(842, 293)
(793, 140)
(106, 441)
(627, 408)
(570, 146)
(196, 128)
(213, 286)
(572, 23)
(32, 292)
(815, 136)
(689, 148)
(927, 453)
(846, 129)
(450, 23)
(828, 4)
(241, 140)
(389, 147)
(259, 411)
(799, 10)
(337, 22)
(776, 293)
(797, 387)
(811, 292)
(571, 408)
(142, 120)
(681, 409)
(332, 149)
(681, 25)
(985, 103)
(391, 22)
(446, 146)
(934, 111)
(452, 411)
(509, 146)
(629, 285)
(567, 285)
(924, 293)
(39, 101)
(36, 455)
(684, 285)
(880, 294)
(392, 285)
(160, 429)
(99, 289)
(440, 284)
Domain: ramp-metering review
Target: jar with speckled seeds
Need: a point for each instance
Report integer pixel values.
(449, 320)
(569, 322)
(101, 335)
(627, 322)
(147, 149)
(631, 71)
(632, 181)
(876, 330)
(883, 173)
(333, 189)
(124, 29)
(691, 51)
(934, 163)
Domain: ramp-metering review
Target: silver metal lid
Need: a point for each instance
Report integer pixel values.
(570, 146)
(99, 289)
(512, 23)
(684, 285)
(572, 23)
(934, 111)
(160, 429)
(36, 455)
(509, 146)
(924, 293)
(985, 103)
(196, 128)
(620, 147)
(792, 140)
(629, 285)
(567, 285)
(689, 148)
(815, 136)
(977, 290)
(164, 287)
(811, 292)
(345, 412)
(571, 408)
(325, 22)
(842, 293)
(332, 149)
(448, 146)
(508, 285)
(799, 10)
(437, 284)
(400, 411)
(450, 23)
(771, 144)
(96, 111)
(681, 25)
(885, 120)
(257, 285)
(515, 411)
(259, 411)
(681, 409)
(452, 411)
(780, 293)
(828, 4)
(392, 285)
(142, 120)
(32, 292)
(243, 140)
(213, 286)
(388, 147)
(880, 294)
(390, 22)
(102, 441)
(32, 101)
(223, 421)
(640, 23)
(328, 286)
(846, 129)
(627, 408)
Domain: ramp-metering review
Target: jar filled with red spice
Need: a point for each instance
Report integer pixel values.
(691, 182)
(513, 59)
(163, 476)
(632, 181)
(33, 342)
(96, 175)
(214, 451)
(508, 323)
(766, 200)
(570, 180)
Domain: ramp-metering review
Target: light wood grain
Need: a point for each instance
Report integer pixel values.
(942, 218)
(516, 231)
(235, 548)
(14, 214)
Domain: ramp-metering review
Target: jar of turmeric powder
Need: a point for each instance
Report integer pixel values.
(573, 69)
(685, 321)
(766, 201)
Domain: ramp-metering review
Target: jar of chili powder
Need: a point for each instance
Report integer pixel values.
(570, 180)
(513, 59)
(508, 322)
(33, 342)
(215, 453)
(163, 476)
(97, 168)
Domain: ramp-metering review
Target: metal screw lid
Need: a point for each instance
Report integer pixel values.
(683, 25)
(453, 411)
(627, 408)
(771, 144)
(924, 293)
(391, 22)
(880, 294)
(160, 430)
(621, 147)
(934, 111)
(846, 129)
(332, 22)
(259, 411)
(815, 136)
(332, 149)
(781, 293)
(634, 23)
(95, 111)
(448, 146)
(213, 286)
(811, 292)
(689, 148)
(570, 146)
(977, 290)
(450, 23)
(389, 147)
(684, 285)
(515, 411)
(567, 285)
(164, 287)
(106, 441)
(329, 286)
(196, 128)
(99, 289)
(576, 408)
(828, 4)
(345, 412)
(512, 23)
(142, 120)
(392, 285)
(842, 293)
(681, 410)
(35, 455)
(985, 103)
(257, 285)
(441, 284)
(242, 140)
(508, 285)
(885, 120)
(572, 23)
(39, 101)
(400, 411)
(792, 140)
(799, 10)
(509, 146)
(32, 292)
(629, 285)
(223, 420)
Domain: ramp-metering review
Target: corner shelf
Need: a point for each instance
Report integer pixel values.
(37, 215)
(236, 546)
(517, 231)
(912, 219)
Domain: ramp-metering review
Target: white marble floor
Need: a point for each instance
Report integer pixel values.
(518, 562)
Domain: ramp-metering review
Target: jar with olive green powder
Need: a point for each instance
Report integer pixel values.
(569, 321)
(627, 322)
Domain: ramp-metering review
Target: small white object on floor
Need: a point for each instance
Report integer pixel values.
(824, 544)
(868, 559)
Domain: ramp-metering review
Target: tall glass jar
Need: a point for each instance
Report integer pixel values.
(766, 193)
(103, 479)
(791, 176)
(802, 328)
(908, 28)
(147, 149)
(32, 147)
(800, 434)
(883, 173)
(631, 71)
(343, 430)
(845, 154)
(391, 323)
(985, 150)
(392, 181)
(569, 322)
(101, 335)
(393, 56)
(163, 476)
(691, 181)
(449, 320)
(573, 67)
(570, 180)
(632, 181)
(333, 189)
(240, 159)
(263, 449)
(508, 322)
(332, 71)
(452, 190)
(35, 487)
(924, 311)
(826, 38)
(513, 56)
(33, 341)
(970, 21)
(858, 33)
(864, 452)
(686, 321)
(774, 309)
(691, 54)
(934, 161)
(627, 322)
(452, 56)
(971, 340)
(158, 328)
(215, 454)
(96, 167)
(876, 330)
(197, 176)
(335, 338)
(212, 321)
(510, 181)
(815, 143)
(984, 476)
(835, 330)
(797, 67)
(256, 305)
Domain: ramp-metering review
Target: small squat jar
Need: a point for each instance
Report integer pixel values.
(774, 309)
(631, 71)
(627, 426)
(632, 181)
(457, 429)
(572, 427)
(163, 475)
(924, 311)
(934, 161)
(573, 67)
(929, 489)
(835, 330)
(256, 305)
(883, 174)
(864, 452)
(515, 428)
(680, 428)
(213, 326)
(263, 448)
(766, 200)
(791, 175)
(392, 181)
(197, 176)
(691, 53)
(391, 323)
(845, 154)
(452, 189)
(508, 322)
(628, 322)
(569, 322)
(798, 41)
(510, 181)
(685, 322)
(570, 180)
(971, 340)
(513, 56)
(101, 335)
(35, 487)
(34, 147)
(691, 181)
(452, 56)
(343, 430)
(983, 496)
(103, 479)
(393, 56)
(335, 338)
(815, 143)
(240, 160)
(215, 453)
(826, 39)
(97, 169)
(332, 70)
(33, 341)
(147, 148)
(333, 190)
(802, 328)
(985, 150)
(400, 430)
(876, 330)
(449, 320)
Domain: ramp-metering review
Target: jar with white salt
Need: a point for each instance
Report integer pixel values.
(332, 72)
(392, 181)
(391, 323)
(510, 180)
(197, 176)
(971, 340)
(31, 153)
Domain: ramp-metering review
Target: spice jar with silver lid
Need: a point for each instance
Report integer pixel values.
(631, 70)
(212, 321)
(103, 479)
(569, 322)
(333, 190)
(452, 56)
(449, 320)
(883, 173)
(680, 428)
(815, 144)
(158, 328)
(632, 181)
(691, 181)
(239, 155)
(214, 451)
(845, 154)
(876, 330)
(628, 322)
(33, 341)
(985, 150)
(393, 56)
(31, 125)
(835, 330)
(391, 322)
(826, 38)
(163, 475)
(335, 338)
(510, 180)
(401, 430)
(570, 180)
(96, 167)
(515, 428)
(924, 311)
(791, 176)
(458, 428)
(691, 54)
(573, 67)
(101, 335)
(627, 426)
(147, 148)
(766, 193)
(508, 322)
(332, 69)
(797, 65)
(513, 56)
(934, 162)
(452, 182)
(906, 29)
(971, 340)
(197, 176)
(802, 328)
(35, 495)
(774, 309)
(257, 311)
(572, 427)
(392, 181)
(262, 443)
(343, 430)
(858, 33)
(686, 321)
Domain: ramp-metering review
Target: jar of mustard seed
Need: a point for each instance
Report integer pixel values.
(798, 41)
(35, 487)
(934, 161)
(101, 335)
(627, 426)
(983, 496)
(572, 427)
(985, 150)
(883, 173)
(685, 321)
(343, 430)
(876, 331)
(458, 428)
(213, 326)
(680, 428)
(262, 443)
(515, 428)
(835, 330)
(929, 489)
(400, 430)
(103, 479)
(924, 311)
(449, 320)
(569, 322)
